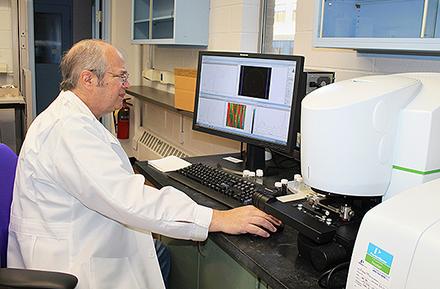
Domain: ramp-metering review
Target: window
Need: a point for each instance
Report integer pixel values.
(278, 26)
(280, 17)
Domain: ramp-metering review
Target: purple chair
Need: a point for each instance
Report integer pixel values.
(20, 278)
(8, 163)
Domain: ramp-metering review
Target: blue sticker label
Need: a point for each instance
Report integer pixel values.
(380, 255)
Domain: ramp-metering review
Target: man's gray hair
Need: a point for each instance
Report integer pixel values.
(87, 54)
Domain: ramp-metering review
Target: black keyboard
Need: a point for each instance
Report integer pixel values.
(223, 187)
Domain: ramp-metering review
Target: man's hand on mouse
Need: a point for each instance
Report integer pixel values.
(241, 220)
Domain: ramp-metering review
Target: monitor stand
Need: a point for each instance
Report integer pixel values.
(255, 158)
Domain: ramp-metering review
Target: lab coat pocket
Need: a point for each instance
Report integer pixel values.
(112, 273)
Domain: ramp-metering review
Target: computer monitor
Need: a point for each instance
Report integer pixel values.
(252, 98)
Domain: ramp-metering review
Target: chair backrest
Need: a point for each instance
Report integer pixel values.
(8, 163)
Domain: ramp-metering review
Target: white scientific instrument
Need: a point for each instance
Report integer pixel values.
(372, 136)
(366, 140)
(397, 246)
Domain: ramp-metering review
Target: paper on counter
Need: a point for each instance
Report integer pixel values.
(169, 164)
(233, 160)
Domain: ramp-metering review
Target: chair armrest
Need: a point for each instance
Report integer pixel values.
(24, 278)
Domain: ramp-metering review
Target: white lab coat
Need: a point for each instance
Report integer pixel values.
(79, 208)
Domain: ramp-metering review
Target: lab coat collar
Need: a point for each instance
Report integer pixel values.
(83, 108)
(68, 94)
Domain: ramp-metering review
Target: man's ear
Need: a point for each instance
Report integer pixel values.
(86, 78)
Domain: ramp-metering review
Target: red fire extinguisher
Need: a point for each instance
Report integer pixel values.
(123, 123)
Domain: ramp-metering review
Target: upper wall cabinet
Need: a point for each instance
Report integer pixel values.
(383, 25)
(183, 22)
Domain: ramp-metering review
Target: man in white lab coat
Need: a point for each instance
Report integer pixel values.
(78, 207)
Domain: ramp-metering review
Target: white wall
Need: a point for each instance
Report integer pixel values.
(234, 25)
(6, 50)
(348, 63)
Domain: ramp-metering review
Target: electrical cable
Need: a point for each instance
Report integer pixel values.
(231, 171)
(327, 276)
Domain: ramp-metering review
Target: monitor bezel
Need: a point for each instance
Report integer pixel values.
(289, 148)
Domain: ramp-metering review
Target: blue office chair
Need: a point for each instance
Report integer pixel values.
(21, 278)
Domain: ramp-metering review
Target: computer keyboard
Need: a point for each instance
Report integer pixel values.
(223, 187)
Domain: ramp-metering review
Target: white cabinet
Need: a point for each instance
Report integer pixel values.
(183, 22)
(387, 25)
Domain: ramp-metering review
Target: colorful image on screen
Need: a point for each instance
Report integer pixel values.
(235, 116)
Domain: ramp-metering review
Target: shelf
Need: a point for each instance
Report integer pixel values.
(6, 100)
(141, 21)
(163, 18)
(156, 96)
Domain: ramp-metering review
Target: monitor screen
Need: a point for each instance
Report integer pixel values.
(249, 97)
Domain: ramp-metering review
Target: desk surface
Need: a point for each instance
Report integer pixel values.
(275, 260)
(12, 100)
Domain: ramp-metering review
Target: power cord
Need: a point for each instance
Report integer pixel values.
(326, 281)
(231, 171)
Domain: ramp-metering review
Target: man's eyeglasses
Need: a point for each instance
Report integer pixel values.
(123, 77)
